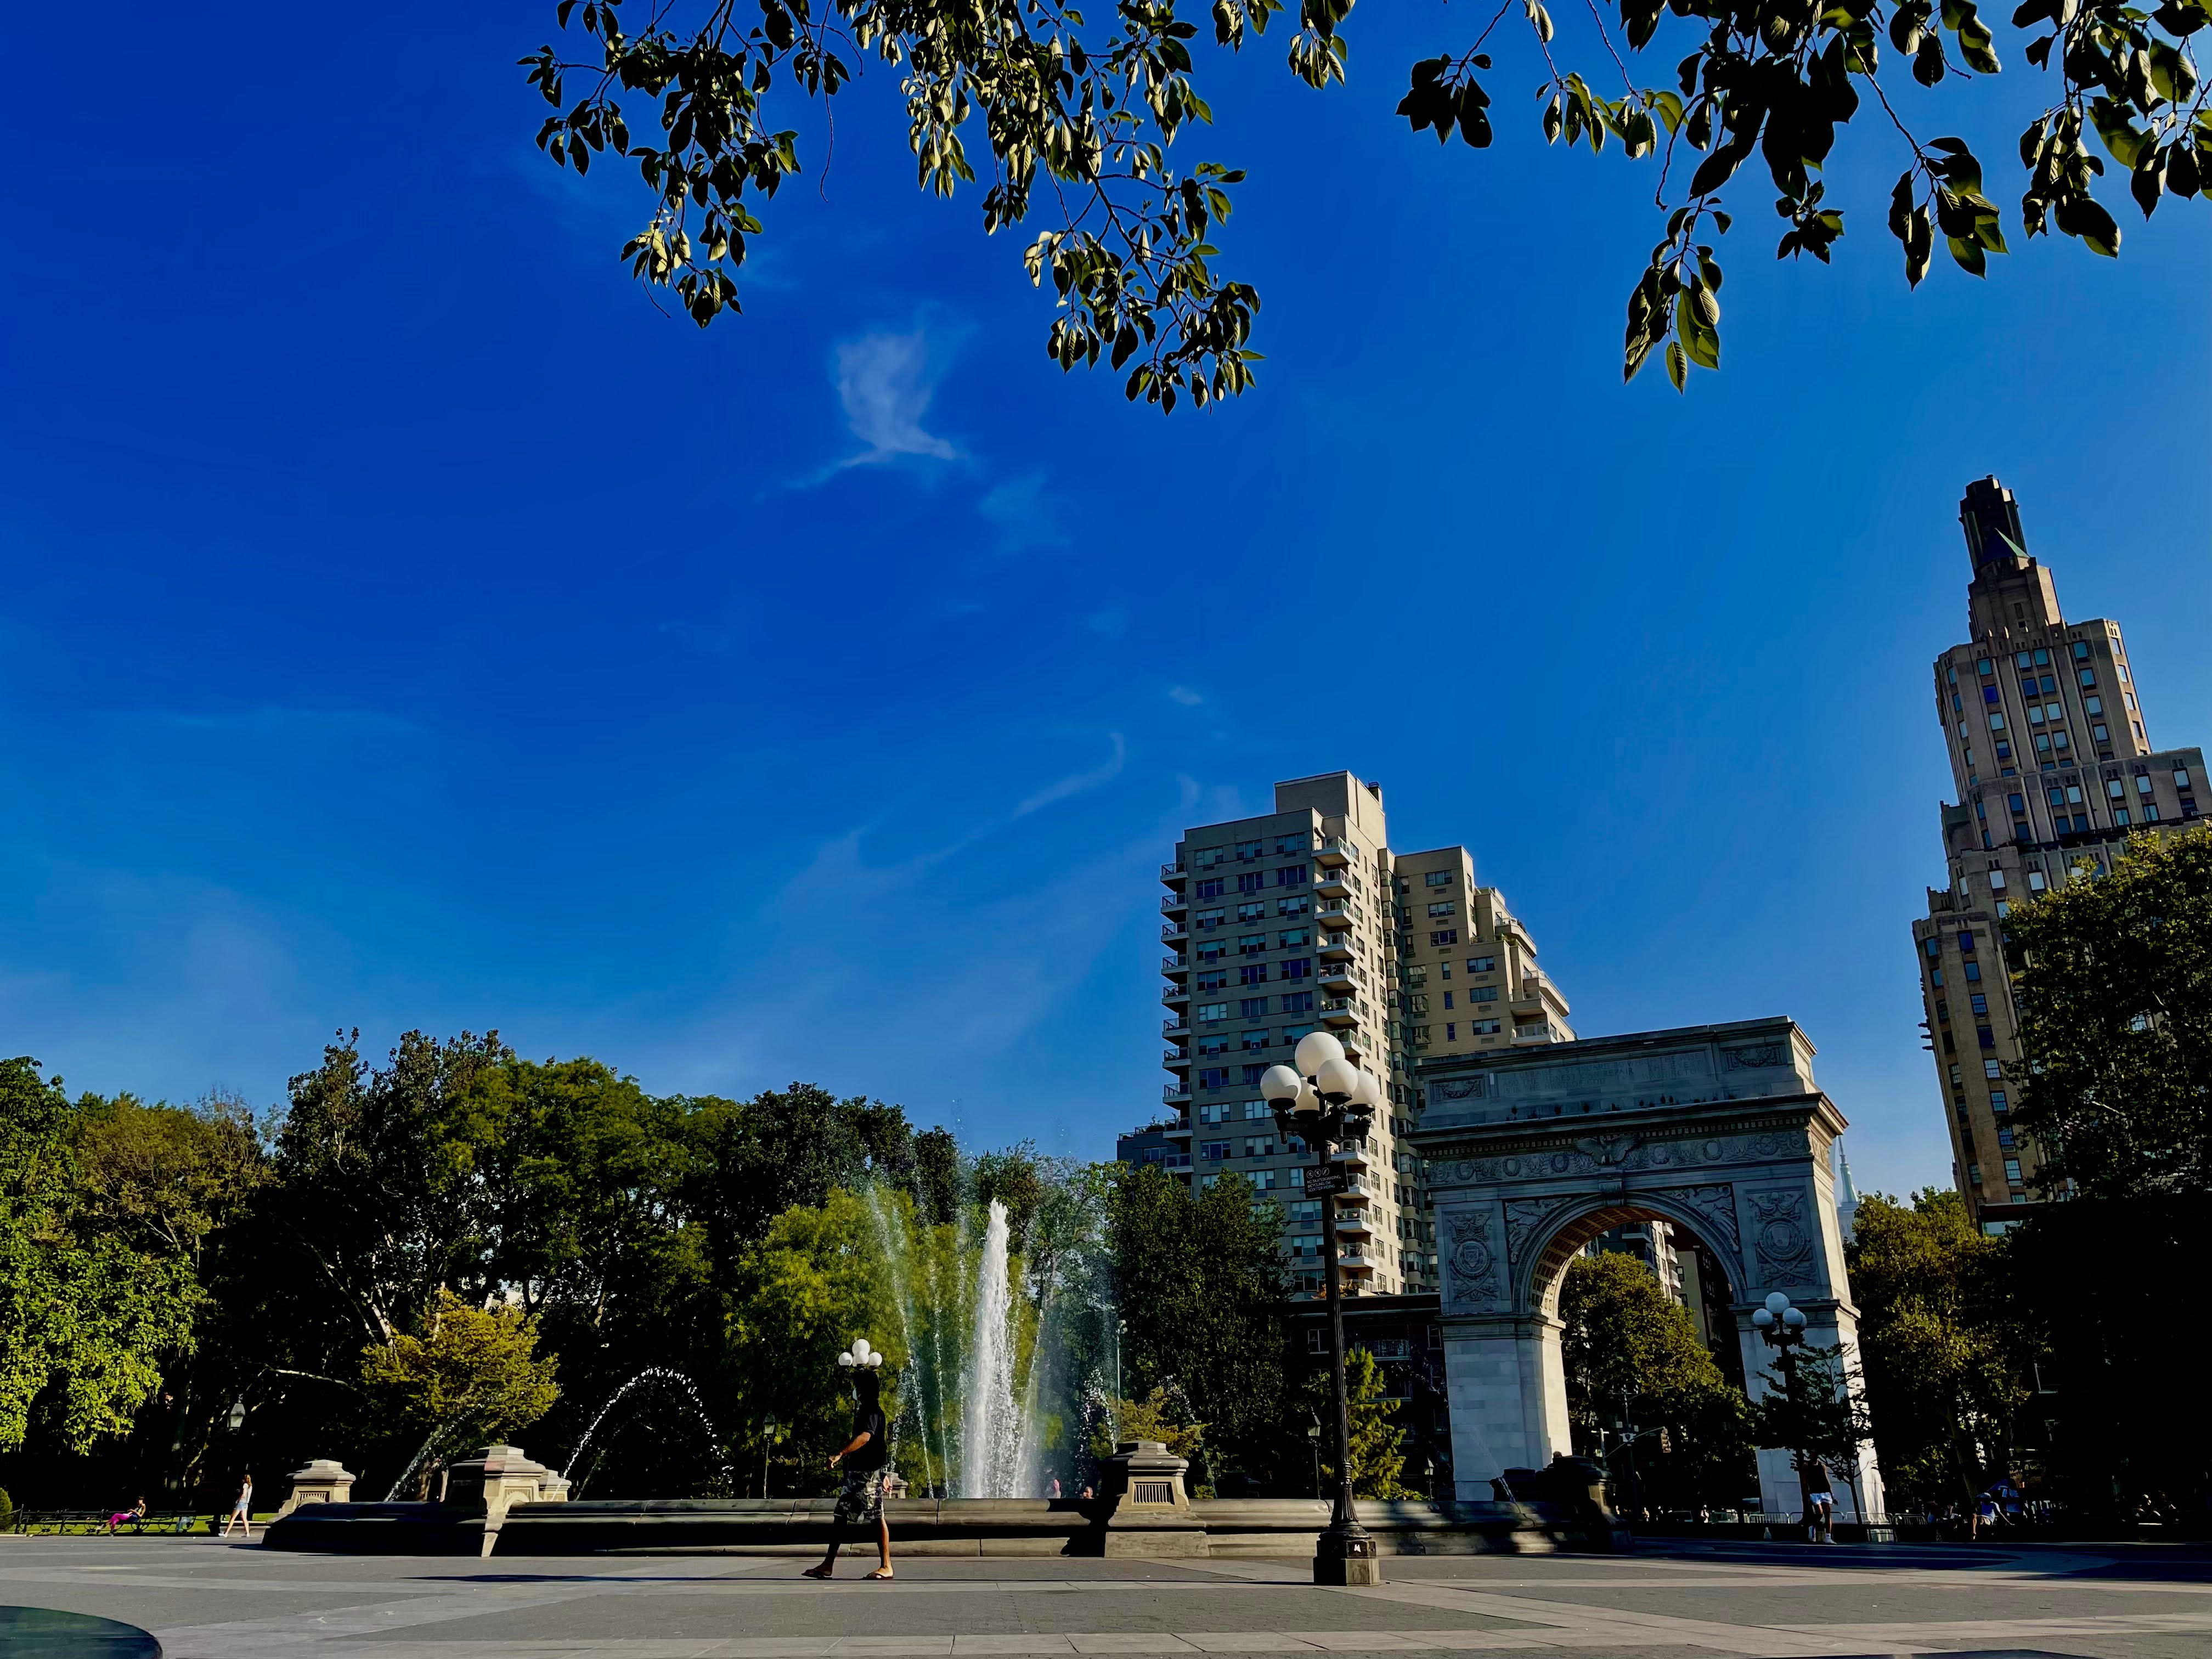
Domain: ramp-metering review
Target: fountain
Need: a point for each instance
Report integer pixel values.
(992, 1428)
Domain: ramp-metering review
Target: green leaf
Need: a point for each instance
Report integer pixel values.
(2085, 217)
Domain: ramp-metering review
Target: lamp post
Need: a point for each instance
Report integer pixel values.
(1782, 1327)
(1325, 1100)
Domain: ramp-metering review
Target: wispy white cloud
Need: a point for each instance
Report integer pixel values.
(1077, 783)
(883, 383)
(1186, 696)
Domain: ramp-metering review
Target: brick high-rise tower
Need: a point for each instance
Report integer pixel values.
(2055, 770)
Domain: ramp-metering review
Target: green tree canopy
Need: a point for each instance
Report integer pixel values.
(1629, 1346)
(1946, 1362)
(1376, 1443)
(1079, 117)
(1199, 1279)
(472, 1376)
(2115, 994)
(86, 1318)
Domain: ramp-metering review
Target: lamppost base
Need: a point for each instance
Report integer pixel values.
(1347, 1557)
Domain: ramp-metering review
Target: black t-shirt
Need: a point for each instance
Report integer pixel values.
(868, 1420)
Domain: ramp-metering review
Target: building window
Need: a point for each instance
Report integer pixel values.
(1252, 973)
(2120, 817)
(1448, 998)
(1255, 1109)
(2080, 650)
(1449, 936)
(1251, 944)
(1252, 912)
(1991, 1070)
(1212, 888)
(1482, 993)
(1974, 973)
(1213, 1150)
(1297, 939)
(1298, 1002)
(1448, 908)
(2012, 1171)
(1251, 881)
(2005, 1137)
(1997, 1102)
(1997, 717)
(1296, 843)
(2181, 777)
(1482, 964)
(1973, 1174)
(1451, 1031)
(2088, 676)
(1298, 968)
(1210, 1012)
(1483, 1027)
(1437, 879)
(1215, 1111)
(1252, 1008)
(1213, 1077)
(1291, 875)
(1213, 979)
(1256, 1040)
(1252, 1073)
(1986, 1037)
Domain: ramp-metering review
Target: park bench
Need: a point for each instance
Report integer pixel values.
(66, 1522)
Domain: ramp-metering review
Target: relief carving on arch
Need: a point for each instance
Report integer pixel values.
(1714, 1206)
(1783, 1238)
(1471, 1254)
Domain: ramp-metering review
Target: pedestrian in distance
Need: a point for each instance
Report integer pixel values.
(866, 1458)
(137, 1512)
(241, 1512)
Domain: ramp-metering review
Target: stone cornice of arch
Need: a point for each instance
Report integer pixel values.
(1673, 1123)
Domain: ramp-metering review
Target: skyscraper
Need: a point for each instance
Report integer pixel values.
(1304, 918)
(2053, 759)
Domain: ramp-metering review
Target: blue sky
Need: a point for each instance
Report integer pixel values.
(403, 625)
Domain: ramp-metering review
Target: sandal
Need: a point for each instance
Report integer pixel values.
(822, 1572)
(881, 1572)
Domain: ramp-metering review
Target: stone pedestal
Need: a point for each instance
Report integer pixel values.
(494, 1480)
(322, 1481)
(1150, 1512)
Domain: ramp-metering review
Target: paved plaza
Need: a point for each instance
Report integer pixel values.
(209, 1601)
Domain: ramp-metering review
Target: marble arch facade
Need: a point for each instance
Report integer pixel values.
(1531, 1152)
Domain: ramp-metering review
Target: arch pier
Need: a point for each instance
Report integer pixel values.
(1719, 1130)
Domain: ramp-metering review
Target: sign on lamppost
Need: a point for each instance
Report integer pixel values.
(1324, 1181)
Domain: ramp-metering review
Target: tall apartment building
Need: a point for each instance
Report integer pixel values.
(1304, 918)
(2055, 769)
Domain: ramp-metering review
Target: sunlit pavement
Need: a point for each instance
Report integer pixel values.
(209, 1601)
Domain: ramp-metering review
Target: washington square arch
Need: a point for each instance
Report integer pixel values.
(1718, 1130)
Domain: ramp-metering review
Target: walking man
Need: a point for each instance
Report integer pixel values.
(861, 1499)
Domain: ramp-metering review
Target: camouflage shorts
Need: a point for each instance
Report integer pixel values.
(862, 1498)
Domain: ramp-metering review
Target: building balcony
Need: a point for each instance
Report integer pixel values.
(1174, 994)
(1173, 874)
(1180, 1127)
(1173, 933)
(1358, 1045)
(1174, 967)
(1540, 1032)
(1337, 915)
(1335, 852)
(1354, 1196)
(1340, 1011)
(1177, 1161)
(1341, 976)
(1335, 944)
(1356, 1261)
(1173, 904)
(1176, 1059)
(1172, 1028)
(1177, 1094)
(1333, 884)
(1353, 1157)
(1354, 1225)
